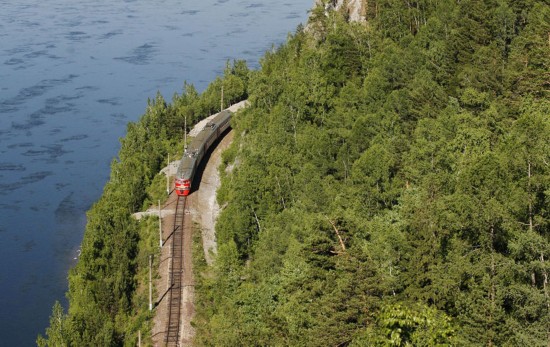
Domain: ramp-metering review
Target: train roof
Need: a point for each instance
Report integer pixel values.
(208, 129)
(187, 162)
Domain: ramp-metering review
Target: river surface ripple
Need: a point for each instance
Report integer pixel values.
(72, 74)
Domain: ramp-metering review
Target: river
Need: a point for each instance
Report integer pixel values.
(72, 75)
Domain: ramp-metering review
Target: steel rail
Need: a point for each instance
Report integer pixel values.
(176, 276)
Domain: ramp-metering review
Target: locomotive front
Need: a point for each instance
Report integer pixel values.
(197, 149)
(185, 173)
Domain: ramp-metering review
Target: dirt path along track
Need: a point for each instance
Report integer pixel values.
(175, 273)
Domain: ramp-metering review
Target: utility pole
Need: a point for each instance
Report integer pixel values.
(168, 176)
(160, 226)
(139, 338)
(150, 283)
(221, 103)
(185, 134)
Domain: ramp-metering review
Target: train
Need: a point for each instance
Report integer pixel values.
(199, 146)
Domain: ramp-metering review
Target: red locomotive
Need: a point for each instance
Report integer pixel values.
(197, 149)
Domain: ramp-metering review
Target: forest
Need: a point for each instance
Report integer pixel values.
(389, 185)
(108, 288)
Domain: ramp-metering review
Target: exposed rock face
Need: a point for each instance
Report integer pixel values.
(355, 8)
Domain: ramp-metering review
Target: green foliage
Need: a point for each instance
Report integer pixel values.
(411, 325)
(390, 184)
(107, 297)
(59, 330)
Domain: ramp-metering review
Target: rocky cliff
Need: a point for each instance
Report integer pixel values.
(354, 8)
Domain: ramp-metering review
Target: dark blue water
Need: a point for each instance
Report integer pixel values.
(72, 74)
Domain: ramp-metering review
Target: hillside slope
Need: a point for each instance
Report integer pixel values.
(390, 184)
(108, 293)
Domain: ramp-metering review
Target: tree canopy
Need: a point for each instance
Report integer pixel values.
(107, 299)
(390, 184)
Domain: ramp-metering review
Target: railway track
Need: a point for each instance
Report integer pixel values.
(176, 276)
